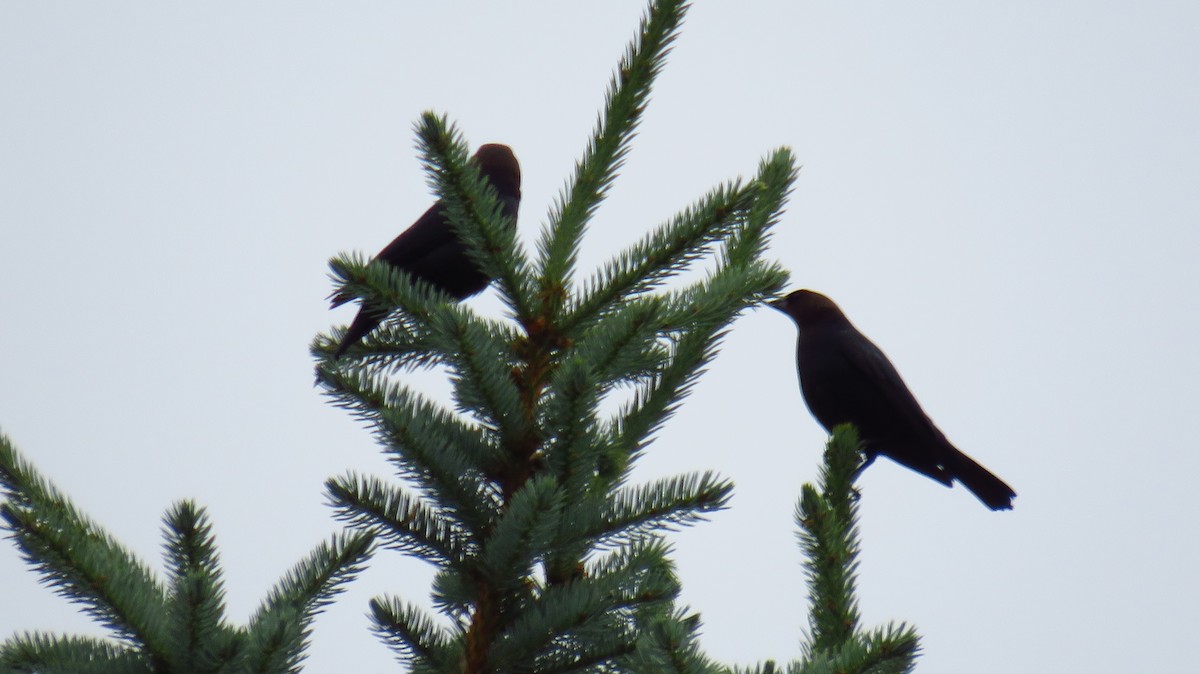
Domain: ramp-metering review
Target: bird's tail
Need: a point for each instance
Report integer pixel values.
(988, 488)
(337, 299)
(364, 322)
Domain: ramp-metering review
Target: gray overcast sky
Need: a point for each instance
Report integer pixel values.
(1003, 196)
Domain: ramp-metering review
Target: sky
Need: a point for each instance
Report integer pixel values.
(1003, 196)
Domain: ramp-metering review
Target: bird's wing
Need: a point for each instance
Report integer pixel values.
(420, 241)
(427, 234)
(432, 236)
(877, 369)
(889, 389)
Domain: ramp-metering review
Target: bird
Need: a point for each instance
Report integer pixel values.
(430, 249)
(845, 378)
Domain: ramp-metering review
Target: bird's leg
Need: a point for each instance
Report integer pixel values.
(855, 494)
(868, 460)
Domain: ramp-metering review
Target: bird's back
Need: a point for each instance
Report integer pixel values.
(431, 250)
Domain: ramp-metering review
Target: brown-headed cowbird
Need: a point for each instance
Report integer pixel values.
(430, 250)
(847, 379)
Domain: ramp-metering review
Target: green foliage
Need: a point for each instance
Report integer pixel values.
(174, 625)
(548, 561)
(628, 93)
(827, 516)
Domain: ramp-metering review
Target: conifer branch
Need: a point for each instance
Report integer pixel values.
(635, 512)
(892, 650)
(572, 453)
(686, 238)
(625, 345)
(474, 211)
(482, 361)
(279, 629)
(664, 391)
(313, 582)
(454, 594)
(592, 618)
(407, 301)
(195, 605)
(703, 310)
(449, 459)
(776, 175)
(405, 523)
(828, 515)
(625, 101)
(272, 640)
(522, 534)
(53, 654)
(668, 645)
(76, 557)
(830, 541)
(180, 630)
(413, 634)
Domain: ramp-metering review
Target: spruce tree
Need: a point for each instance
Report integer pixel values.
(174, 625)
(549, 560)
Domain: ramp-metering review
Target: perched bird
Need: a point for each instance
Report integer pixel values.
(847, 379)
(430, 250)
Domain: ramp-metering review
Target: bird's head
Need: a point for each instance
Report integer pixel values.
(806, 307)
(499, 165)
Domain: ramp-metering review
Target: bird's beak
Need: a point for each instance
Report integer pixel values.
(779, 304)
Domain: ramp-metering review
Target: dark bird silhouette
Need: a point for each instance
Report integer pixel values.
(847, 379)
(430, 250)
